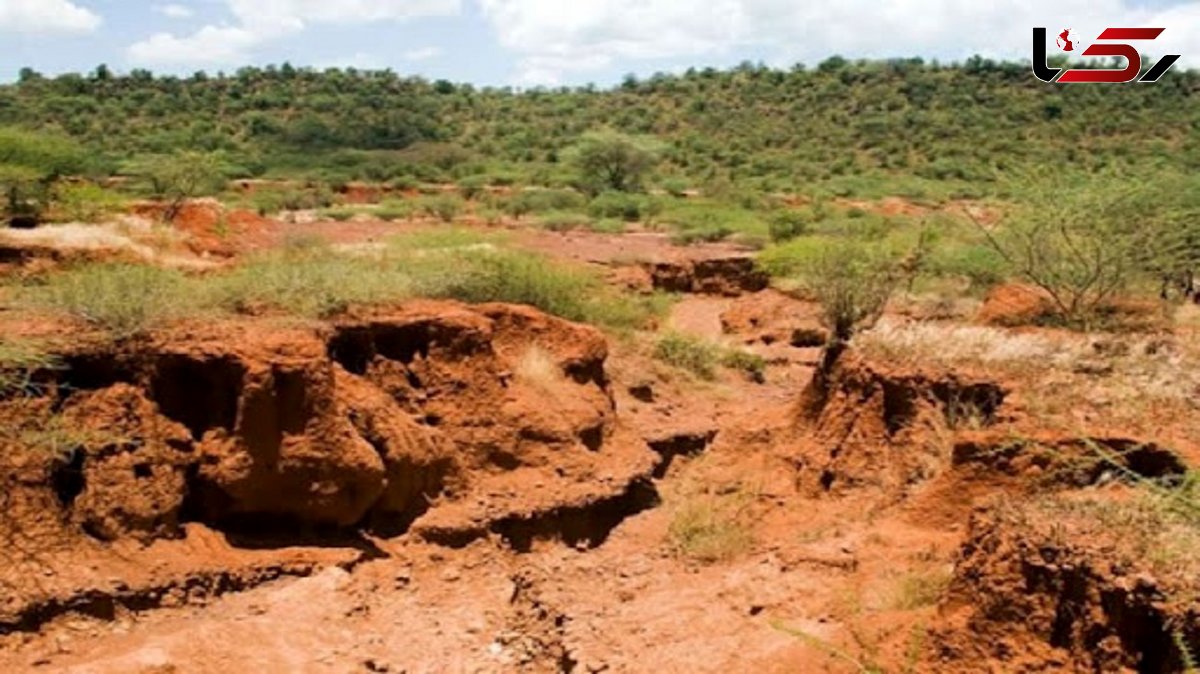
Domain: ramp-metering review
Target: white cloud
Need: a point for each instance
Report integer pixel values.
(553, 38)
(261, 21)
(422, 54)
(174, 11)
(361, 60)
(209, 45)
(46, 16)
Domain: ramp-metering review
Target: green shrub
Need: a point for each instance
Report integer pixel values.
(312, 282)
(853, 281)
(487, 274)
(125, 299)
(561, 221)
(695, 355)
(543, 201)
(490, 216)
(791, 258)
(395, 209)
(404, 183)
(445, 207)
(754, 365)
(627, 207)
(979, 264)
(675, 187)
(711, 220)
(788, 223)
(709, 233)
(340, 213)
(609, 160)
(608, 226)
(472, 186)
(269, 201)
(86, 202)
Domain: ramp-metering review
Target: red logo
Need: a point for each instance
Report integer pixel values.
(1133, 60)
(1064, 41)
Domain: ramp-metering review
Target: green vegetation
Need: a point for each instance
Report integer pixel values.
(926, 131)
(607, 160)
(125, 299)
(20, 360)
(174, 178)
(86, 202)
(445, 207)
(754, 365)
(701, 357)
(564, 221)
(29, 165)
(1092, 186)
(851, 279)
(712, 528)
(693, 354)
(339, 213)
(1085, 242)
(308, 279)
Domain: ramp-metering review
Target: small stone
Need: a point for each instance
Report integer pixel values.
(373, 665)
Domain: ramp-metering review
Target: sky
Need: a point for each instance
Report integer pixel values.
(525, 43)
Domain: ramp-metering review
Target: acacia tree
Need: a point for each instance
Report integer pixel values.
(1085, 240)
(852, 280)
(608, 160)
(176, 178)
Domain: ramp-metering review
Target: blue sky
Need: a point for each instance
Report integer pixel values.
(547, 42)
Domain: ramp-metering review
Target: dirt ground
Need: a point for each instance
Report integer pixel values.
(437, 487)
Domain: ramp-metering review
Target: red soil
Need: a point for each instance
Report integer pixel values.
(442, 487)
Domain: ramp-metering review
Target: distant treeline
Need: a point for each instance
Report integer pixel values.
(846, 124)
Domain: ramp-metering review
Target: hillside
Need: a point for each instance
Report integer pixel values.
(858, 128)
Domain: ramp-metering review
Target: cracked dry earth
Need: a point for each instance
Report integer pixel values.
(440, 487)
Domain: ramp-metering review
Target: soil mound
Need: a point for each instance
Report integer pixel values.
(1053, 587)
(1015, 304)
(727, 276)
(456, 421)
(771, 317)
(886, 428)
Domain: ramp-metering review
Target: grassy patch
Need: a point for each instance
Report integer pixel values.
(124, 299)
(445, 207)
(712, 528)
(20, 359)
(701, 357)
(921, 588)
(478, 274)
(711, 220)
(564, 221)
(339, 213)
(752, 364)
(444, 237)
(698, 356)
(307, 278)
(392, 210)
(312, 283)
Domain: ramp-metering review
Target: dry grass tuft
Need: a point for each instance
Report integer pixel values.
(538, 368)
(713, 524)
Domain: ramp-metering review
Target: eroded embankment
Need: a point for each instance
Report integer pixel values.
(448, 421)
(1074, 557)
